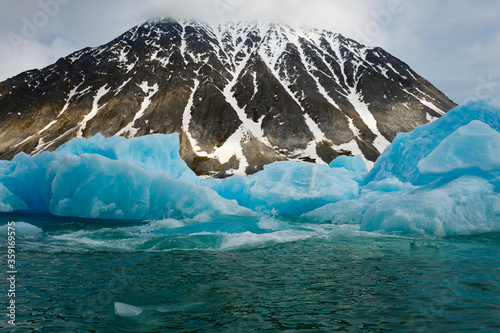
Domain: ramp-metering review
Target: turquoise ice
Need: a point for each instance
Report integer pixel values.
(440, 179)
(135, 179)
(290, 188)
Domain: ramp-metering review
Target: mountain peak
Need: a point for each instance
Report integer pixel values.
(240, 95)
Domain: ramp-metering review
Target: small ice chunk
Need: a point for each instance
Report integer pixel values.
(22, 229)
(126, 310)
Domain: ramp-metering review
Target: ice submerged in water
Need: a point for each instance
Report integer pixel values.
(441, 179)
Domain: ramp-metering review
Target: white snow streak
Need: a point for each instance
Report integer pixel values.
(151, 91)
(68, 100)
(314, 128)
(186, 119)
(430, 118)
(49, 125)
(255, 85)
(388, 64)
(183, 43)
(248, 124)
(95, 109)
(380, 142)
(42, 145)
(431, 106)
(120, 88)
(295, 39)
(426, 103)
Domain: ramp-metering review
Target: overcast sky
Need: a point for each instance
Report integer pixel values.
(455, 44)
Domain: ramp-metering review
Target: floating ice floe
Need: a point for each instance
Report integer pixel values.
(290, 188)
(442, 179)
(21, 229)
(127, 310)
(140, 178)
(402, 157)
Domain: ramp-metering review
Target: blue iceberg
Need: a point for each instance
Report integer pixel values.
(464, 206)
(290, 188)
(351, 163)
(440, 179)
(140, 178)
(455, 162)
(154, 153)
(402, 157)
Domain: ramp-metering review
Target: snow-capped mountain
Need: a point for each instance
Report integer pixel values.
(240, 95)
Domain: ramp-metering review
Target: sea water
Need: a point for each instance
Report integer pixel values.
(245, 275)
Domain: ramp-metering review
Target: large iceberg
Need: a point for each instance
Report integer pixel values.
(455, 161)
(441, 179)
(402, 157)
(140, 178)
(154, 153)
(290, 188)
(464, 206)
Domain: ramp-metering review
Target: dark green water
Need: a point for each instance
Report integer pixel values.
(312, 278)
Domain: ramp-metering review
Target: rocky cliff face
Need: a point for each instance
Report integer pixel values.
(240, 95)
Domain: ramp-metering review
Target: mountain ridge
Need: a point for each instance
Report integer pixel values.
(240, 95)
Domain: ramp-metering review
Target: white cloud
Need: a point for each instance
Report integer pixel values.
(486, 50)
(32, 55)
(78, 24)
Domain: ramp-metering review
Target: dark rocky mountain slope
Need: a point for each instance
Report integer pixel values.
(240, 95)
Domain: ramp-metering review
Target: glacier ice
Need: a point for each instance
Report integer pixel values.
(351, 163)
(401, 158)
(290, 188)
(127, 310)
(455, 164)
(475, 145)
(352, 211)
(91, 185)
(467, 205)
(180, 199)
(140, 178)
(9, 202)
(155, 153)
(29, 179)
(443, 178)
